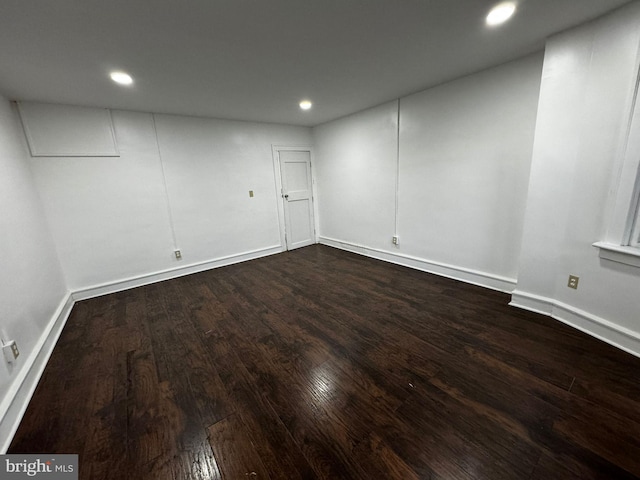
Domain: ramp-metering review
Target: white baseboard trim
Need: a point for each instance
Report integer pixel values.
(21, 390)
(531, 302)
(598, 327)
(147, 279)
(609, 332)
(475, 277)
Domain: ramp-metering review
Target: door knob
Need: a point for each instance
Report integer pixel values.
(286, 196)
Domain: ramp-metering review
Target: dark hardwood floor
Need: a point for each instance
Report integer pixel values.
(318, 363)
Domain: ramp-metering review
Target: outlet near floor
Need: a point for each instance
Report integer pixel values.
(10, 350)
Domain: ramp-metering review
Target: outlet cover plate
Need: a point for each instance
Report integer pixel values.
(10, 350)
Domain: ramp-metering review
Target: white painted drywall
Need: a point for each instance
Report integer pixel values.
(588, 77)
(465, 150)
(110, 217)
(356, 176)
(465, 153)
(31, 280)
(211, 165)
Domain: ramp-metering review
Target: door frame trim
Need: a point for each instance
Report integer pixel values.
(277, 174)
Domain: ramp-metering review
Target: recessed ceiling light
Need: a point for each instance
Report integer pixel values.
(121, 78)
(305, 105)
(501, 13)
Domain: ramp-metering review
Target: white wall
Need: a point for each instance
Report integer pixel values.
(464, 157)
(465, 153)
(32, 286)
(112, 217)
(109, 215)
(588, 77)
(211, 165)
(356, 176)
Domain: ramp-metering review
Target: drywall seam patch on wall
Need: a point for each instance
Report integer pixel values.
(147, 279)
(600, 328)
(395, 233)
(164, 183)
(474, 277)
(17, 399)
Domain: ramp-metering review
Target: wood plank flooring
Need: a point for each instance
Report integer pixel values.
(318, 363)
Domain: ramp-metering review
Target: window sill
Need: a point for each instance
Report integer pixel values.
(619, 253)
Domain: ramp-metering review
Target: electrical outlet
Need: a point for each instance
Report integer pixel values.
(573, 282)
(178, 254)
(395, 240)
(10, 350)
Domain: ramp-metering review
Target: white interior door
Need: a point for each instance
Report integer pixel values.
(295, 168)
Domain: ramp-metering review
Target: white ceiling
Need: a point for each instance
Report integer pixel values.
(256, 59)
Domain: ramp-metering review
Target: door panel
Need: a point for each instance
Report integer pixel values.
(300, 229)
(295, 168)
(296, 173)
